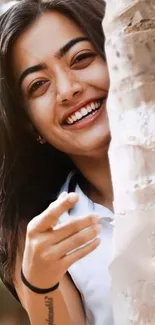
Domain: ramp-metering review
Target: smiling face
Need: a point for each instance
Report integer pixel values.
(64, 83)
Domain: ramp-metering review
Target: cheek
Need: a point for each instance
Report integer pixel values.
(101, 77)
(97, 75)
(41, 111)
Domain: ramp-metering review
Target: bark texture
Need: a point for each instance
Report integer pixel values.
(129, 27)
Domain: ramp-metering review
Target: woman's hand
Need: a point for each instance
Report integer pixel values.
(49, 250)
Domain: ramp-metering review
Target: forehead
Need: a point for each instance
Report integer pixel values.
(46, 36)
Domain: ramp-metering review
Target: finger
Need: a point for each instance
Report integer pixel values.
(58, 251)
(48, 218)
(78, 254)
(65, 231)
(62, 195)
(77, 241)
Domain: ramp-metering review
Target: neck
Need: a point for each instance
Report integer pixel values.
(96, 171)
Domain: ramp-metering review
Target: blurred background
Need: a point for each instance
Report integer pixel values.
(11, 312)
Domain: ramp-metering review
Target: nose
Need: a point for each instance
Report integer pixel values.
(68, 87)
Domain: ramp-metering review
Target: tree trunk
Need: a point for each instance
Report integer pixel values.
(129, 27)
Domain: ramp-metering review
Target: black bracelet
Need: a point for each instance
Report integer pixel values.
(35, 289)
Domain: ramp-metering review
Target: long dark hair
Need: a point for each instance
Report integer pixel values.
(30, 174)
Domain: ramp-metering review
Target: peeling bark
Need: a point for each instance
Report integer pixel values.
(129, 27)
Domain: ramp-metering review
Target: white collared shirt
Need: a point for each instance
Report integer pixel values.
(90, 274)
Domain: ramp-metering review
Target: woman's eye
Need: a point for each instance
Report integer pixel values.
(37, 85)
(83, 59)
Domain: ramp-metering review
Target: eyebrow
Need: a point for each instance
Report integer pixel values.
(59, 54)
(31, 70)
(70, 44)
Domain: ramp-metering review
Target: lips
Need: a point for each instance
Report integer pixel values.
(84, 111)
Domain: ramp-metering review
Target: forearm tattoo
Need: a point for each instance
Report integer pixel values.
(49, 305)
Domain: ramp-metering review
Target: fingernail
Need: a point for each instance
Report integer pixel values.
(62, 195)
(72, 197)
(97, 218)
(98, 228)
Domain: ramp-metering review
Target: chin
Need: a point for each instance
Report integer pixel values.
(95, 146)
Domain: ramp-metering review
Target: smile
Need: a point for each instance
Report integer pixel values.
(84, 112)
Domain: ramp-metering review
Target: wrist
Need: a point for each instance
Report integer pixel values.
(37, 290)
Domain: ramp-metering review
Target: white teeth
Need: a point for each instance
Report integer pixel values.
(84, 111)
(93, 106)
(70, 120)
(74, 118)
(78, 115)
(89, 108)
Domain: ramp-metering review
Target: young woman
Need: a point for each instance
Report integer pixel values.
(53, 131)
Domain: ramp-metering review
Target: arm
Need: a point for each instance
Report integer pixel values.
(65, 302)
(49, 252)
(49, 309)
